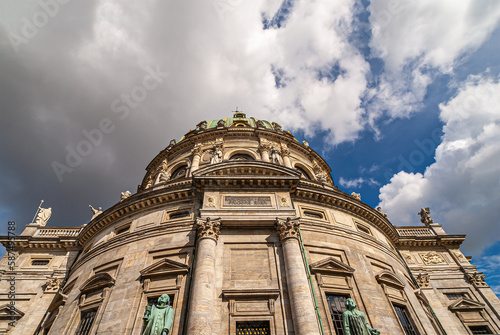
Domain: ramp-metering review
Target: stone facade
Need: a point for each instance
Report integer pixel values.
(242, 226)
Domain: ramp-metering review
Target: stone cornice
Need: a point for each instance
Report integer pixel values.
(253, 174)
(310, 192)
(36, 242)
(430, 241)
(152, 198)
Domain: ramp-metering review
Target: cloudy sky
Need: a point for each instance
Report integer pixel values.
(401, 97)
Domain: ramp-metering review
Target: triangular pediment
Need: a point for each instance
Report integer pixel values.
(7, 310)
(164, 266)
(331, 265)
(388, 278)
(97, 281)
(465, 304)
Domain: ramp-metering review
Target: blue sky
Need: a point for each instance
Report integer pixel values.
(400, 97)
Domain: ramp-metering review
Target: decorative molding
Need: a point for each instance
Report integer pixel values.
(331, 265)
(96, 282)
(388, 278)
(287, 228)
(465, 304)
(477, 278)
(208, 228)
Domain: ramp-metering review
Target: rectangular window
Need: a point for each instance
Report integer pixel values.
(86, 322)
(406, 321)
(336, 304)
(253, 328)
(480, 330)
(40, 262)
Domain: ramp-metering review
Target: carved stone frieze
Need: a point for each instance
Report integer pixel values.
(409, 259)
(433, 257)
(287, 228)
(208, 228)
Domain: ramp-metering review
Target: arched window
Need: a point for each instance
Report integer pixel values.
(180, 172)
(241, 157)
(303, 172)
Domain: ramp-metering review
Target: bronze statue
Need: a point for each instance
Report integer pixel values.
(159, 318)
(354, 321)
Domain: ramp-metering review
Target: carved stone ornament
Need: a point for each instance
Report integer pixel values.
(210, 201)
(260, 124)
(163, 177)
(221, 123)
(306, 144)
(409, 259)
(477, 278)
(196, 151)
(202, 125)
(433, 257)
(52, 284)
(356, 196)
(276, 126)
(425, 216)
(125, 195)
(287, 228)
(173, 142)
(284, 150)
(423, 280)
(149, 182)
(284, 202)
(461, 257)
(208, 228)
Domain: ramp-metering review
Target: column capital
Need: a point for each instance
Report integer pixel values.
(208, 228)
(196, 151)
(287, 228)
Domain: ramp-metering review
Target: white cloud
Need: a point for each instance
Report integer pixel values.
(357, 182)
(462, 188)
(417, 39)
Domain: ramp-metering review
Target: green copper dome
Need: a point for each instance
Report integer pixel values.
(239, 119)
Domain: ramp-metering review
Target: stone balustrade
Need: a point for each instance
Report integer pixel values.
(415, 231)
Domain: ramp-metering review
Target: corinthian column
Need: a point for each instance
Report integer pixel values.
(303, 315)
(285, 153)
(201, 307)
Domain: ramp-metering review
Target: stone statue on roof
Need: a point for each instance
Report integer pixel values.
(425, 216)
(43, 216)
(159, 318)
(95, 211)
(354, 321)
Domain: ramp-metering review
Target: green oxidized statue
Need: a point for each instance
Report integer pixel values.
(354, 321)
(159, 318)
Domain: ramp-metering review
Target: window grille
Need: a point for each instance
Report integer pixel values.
(364, 229)
(178, 215)
(480, 330)
(40, 262)
(336, 304)
(241, 157)
(86, 322)
(455, 296)
(406, 321)
(315, 215)
(253, 328)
